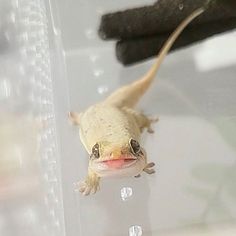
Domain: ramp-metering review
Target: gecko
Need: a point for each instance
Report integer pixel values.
(111, 129)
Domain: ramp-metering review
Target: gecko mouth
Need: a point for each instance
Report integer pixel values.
(117, 163)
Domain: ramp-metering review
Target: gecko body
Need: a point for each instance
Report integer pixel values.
(111, 130)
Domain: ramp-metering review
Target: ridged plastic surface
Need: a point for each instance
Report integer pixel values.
(30, 196)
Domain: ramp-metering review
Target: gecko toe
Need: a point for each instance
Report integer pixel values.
(149, 171)
(78, 186)
(95, 188)
(87, 188)
(150, 122)
(149, 165)
(87, 191)
(147, 168)
(82, 187)
(154, 120)
(150, 130)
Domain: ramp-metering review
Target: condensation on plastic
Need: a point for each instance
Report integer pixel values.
(30, 185)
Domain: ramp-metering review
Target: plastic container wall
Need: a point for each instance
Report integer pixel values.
(193, 145)
(30, 187)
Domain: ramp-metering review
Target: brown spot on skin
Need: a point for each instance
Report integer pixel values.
(122, 152)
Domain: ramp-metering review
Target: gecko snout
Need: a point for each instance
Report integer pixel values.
(116, 154)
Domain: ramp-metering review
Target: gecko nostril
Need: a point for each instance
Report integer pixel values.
(123, 152)
(114, 155)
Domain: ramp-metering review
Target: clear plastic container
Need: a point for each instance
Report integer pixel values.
(30, 179)
(52, 62)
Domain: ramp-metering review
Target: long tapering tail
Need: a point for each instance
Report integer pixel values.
(130, 94)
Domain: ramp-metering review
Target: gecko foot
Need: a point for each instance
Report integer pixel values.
(90, 184)
(149, 123)
(86, 187)
(148, 169)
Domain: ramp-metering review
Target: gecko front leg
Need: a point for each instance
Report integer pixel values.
(90, 185)
(148, 123)
(147, 169)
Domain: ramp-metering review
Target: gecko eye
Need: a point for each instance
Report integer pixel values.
(135, 147)
(95, 151)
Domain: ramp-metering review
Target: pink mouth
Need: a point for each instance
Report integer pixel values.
(118, 163)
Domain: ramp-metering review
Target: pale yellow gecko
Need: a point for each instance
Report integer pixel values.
(110, 130)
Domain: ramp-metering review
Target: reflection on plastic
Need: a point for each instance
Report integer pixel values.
(207, 56)
(30, 196)
(5, 89)
(97, 72)
(135, 231)
(18, 156)
(90, 34)
(102, 89)
(126, 193)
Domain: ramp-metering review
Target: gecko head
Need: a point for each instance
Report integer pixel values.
(107, 160)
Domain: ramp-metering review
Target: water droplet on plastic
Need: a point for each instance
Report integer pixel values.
(181, 6)
(90, 34)
(98, 72)
(57, 223)
(93, 58)
(126, 193)
(5, 89)
(135, 231)
(102, 89)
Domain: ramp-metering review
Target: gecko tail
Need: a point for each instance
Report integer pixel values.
(129, 95)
